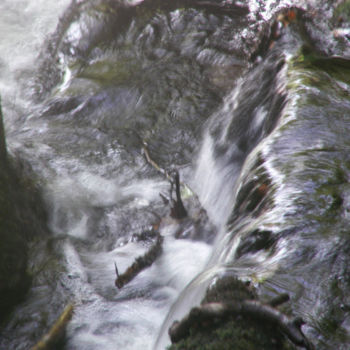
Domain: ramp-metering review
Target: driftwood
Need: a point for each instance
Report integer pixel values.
(252, 308)
(57, 331)
(140, 263)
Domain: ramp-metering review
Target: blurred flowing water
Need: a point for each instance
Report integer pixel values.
(253, 113)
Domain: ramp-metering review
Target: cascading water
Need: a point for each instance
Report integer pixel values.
(197, 85)
(255, 145)
(84, 141)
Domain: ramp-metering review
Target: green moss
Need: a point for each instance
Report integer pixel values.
(308, 68)
(331, 326)
(227, 289)
(236, 332)
(342, 11)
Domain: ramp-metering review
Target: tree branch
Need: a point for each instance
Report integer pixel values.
(140, 263)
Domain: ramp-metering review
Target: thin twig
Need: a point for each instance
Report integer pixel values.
(163, 171)
(153, 163)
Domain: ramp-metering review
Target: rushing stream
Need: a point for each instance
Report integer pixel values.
(254, 114)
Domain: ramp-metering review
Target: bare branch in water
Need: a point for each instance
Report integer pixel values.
(140, 263)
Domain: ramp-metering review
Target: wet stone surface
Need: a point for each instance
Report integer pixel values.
(250, 102)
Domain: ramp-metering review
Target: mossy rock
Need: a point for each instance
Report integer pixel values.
(237, 332)
(240, 333)
(229, 288)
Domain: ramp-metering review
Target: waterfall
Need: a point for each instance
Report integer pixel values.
(247, 100)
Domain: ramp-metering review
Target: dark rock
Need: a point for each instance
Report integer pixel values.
(22, 218)
(230, 317)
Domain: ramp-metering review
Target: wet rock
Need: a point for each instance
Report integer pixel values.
(22, 219)
(230, 317)
(288, 229)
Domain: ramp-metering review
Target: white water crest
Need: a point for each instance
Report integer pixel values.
(105, 316)
(24, 25)
(129, 319)
(215, 177)
(89, 205)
